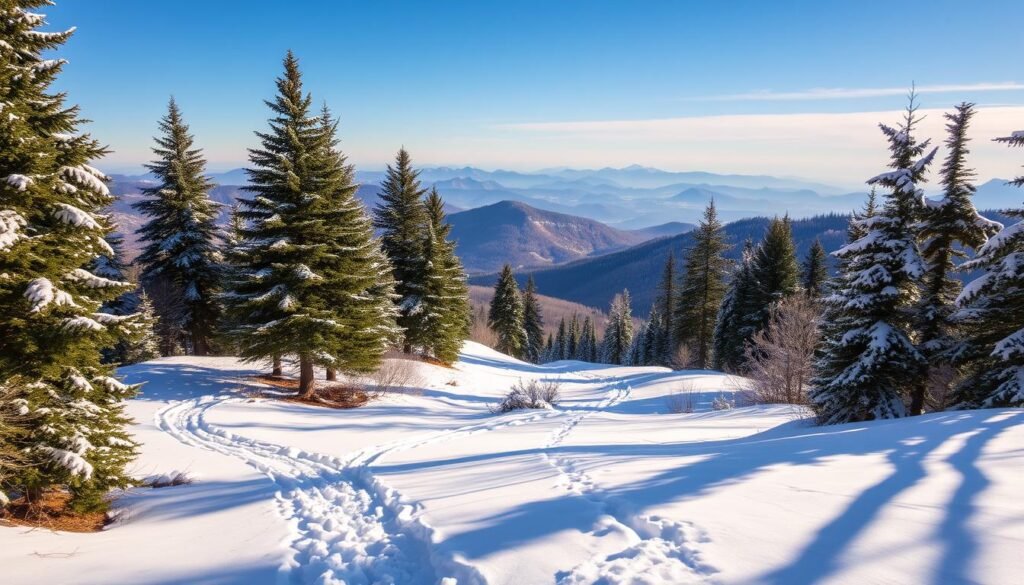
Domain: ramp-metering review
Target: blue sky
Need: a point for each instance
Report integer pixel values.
(508, 84)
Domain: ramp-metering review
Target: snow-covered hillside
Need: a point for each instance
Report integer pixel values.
(610, 487)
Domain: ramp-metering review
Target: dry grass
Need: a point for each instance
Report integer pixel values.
(52, 513)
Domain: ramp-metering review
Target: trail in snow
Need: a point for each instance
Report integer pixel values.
(662, 550)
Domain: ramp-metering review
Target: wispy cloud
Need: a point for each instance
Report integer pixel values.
(838, 93)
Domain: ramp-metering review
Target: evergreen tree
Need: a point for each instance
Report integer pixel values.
(950, 224)
(815, 271)
(533, 323)
(562, 341)
(401, 218)
(549, 349)
(737, 318)
(446, 294)
(51, 327)
(181, 251)
(702, 289)
(575, 334)
(618, 335)
(506, 315)
(592, 344)
(142, 344)
(664, 345)
(648, 353)
(111, 265)
(312, 280)
(992, 311)
(775, 269)
(870, 360)
(588, 345)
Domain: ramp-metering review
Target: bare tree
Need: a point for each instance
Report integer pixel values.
(780, 357)
(681, 400)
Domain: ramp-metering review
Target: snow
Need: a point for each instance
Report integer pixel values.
(606, 487)
(11, 223)
(19, 182)
(41, 292)
(72, 215)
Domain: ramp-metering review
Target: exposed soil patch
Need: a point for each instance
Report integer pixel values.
(327, 394)
(52, 513)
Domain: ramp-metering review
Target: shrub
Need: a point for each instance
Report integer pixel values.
(395, 375)
(721, 403)
(682, 400)
(532, 394)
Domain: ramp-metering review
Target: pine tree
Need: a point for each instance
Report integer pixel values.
(401, 217)
(664, 344)
(313, 281)
(591, 355)
(775, 269)
(992, 311)
(870, 360)
(815, 271)
(445, 310)
(533, 323)
(112, 266)
(618, 335)
(562, 341)
(651, 330)
(506, 315)
(181, 252)
(549, 349)
(51, 327)
(142, 344)
(702, 289)
(575, 334)
(737, 318)
(950, 224)
(588, 345)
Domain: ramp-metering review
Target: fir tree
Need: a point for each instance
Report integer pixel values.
(313, 281)
(533, 323)
(592, 344)
(618, 335)
(181, 236)
(870, 360)
(663, 344)
(574, 333)
(702, 289)
(651, 330)
(549, 349)
(950, 224)
(992, 311)
(737, 318)
(815, 271)
(588, 344)
(775, 269)
(111, 265)
(51, 327)
(562, 341)
(401, 217)
(506, 314)
(142, 344)
(446, 310)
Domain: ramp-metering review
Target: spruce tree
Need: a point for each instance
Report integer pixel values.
(549, 349)
(648, 353)
(312, 280)
(51, 327)
(506, 315)
(950, 224)
(575, 334)
(562, 341)
(533, 323)
(591, 354)
(401, 218)
(181, 253)
(992, 312)
(702, 289)
(870, 359)
(142, 344)
(815, 271)
(775, 269)
(663, 345)
(618, 335)
(445, 310)
(738, 316)
(588, 345)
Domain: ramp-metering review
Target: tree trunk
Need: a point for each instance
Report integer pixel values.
(917, 395)
(200, 345)
(277, 371)
(407, 348)
(331, 375)
(307, 385)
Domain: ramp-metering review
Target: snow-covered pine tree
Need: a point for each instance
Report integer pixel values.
(446, 308)
(312, 280)
(549, 349)
(636, 348)
(51, 231)
(737, 317)
(562, 341)
(775, 269)
(401, 218)
(663, 345)
(533, 323)
(618, 334)
(949, 225)
(702, 289)
(815, 271)
(992, 311)
(142, 344)
(112, 266)
(181, 252)
(870, 360)
(506, 315)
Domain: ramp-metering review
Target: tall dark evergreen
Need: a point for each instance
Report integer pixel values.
(815, 271)
(775, 269)
(562, 341)
(445, 301)
(52, 229)
(506, 315)
(618, 334)
(181, 254)
(663, 344)
(992, 312)
(870, 360)
(950, 225)
(311, 279)
(401, 218)
(533, 323)
(574, 334)
(588, 341)
(738, 316)
(702, 289)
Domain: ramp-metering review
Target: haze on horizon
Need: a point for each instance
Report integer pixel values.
(792, 91)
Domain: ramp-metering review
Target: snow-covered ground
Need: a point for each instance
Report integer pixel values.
(610, 487)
